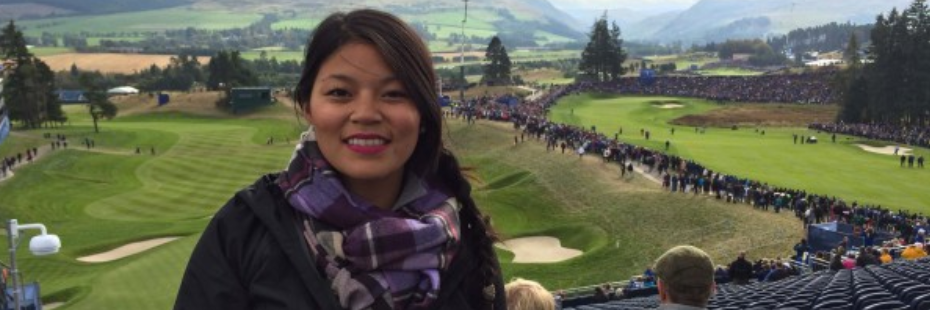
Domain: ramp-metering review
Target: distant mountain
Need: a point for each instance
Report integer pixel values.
(626, 12)
(646, 28)
(708, 19)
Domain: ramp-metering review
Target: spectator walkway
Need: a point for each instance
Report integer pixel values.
(42, 151)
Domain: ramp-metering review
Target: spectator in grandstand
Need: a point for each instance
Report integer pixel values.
(886, 256)
(649, 277)
(800, 249)
(849, 262)
(528, 295)
(384, 214)
(913, 252)
(721, 275)
(741, 270)
(868, 238)
(600, 294)
(777, 273)
(559, 297)
(866, 258)
(686, 278)
(836, 262)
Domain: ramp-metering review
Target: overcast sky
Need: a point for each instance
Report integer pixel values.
(646, 5)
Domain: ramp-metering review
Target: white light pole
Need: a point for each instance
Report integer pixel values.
(462, 59)
(43, 244)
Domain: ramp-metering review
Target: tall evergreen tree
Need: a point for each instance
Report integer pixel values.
(603, 57)
(227, 70)
(896, 81)
(497, 71)
(29, 93)
(851, 53)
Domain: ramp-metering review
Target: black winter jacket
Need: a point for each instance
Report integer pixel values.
(252, 256)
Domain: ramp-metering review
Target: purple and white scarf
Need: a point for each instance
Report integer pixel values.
(374, 258)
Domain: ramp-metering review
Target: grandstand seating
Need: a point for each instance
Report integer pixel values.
(900, 285)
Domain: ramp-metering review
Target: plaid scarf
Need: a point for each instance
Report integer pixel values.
(374, 258)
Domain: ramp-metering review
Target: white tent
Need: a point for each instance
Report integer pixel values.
(123, 90)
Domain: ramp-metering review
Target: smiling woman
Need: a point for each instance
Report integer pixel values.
(372, 212)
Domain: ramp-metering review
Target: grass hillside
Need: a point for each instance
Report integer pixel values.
(100, 199)
(841, 169)
(622, 225)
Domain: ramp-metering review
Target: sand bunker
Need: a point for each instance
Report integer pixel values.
(671, 106)
(126, 250)
(538, 250)
(53, 305)
(888, 150)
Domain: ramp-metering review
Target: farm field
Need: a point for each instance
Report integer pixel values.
(110, 63)
(838, 169)
(100, 199)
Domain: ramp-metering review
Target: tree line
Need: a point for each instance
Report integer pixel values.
(893, 86)
(830, 37)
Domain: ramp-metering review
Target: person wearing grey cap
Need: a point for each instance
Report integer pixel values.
(686, 278)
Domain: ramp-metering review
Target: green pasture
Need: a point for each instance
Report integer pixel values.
(682, 61)
(280, 55)
(838, 169)
(527, 55)
(100, 199)
(95, 41)
(153, 20)
(452, 20)
(515, 56)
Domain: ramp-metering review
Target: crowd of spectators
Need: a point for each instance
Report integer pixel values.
(915, 135)
(10, 162)
(681, 175)
(804, 88)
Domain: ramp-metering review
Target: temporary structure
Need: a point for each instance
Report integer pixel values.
(123, 90)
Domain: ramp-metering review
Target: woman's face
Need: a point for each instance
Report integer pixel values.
(366, 124)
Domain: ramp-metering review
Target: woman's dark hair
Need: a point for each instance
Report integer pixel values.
(409, 59)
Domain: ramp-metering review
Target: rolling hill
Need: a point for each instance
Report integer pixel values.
(534, 19)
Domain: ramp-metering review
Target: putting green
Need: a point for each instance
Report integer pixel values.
(840, 169)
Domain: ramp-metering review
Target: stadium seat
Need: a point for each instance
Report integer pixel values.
(887, 305)
(833, 304)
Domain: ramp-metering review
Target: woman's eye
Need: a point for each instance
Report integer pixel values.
(396, 94)
(337, 92)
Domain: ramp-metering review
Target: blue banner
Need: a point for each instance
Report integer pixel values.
(4, 128)
(647, 77)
